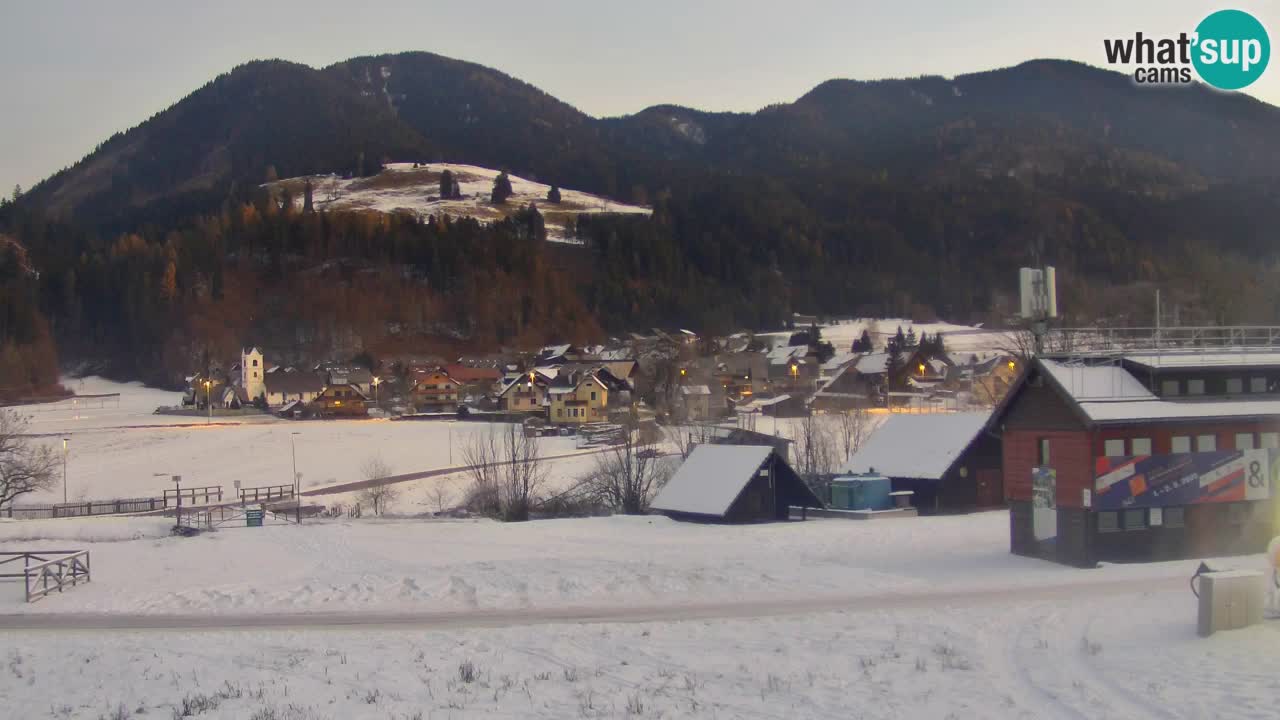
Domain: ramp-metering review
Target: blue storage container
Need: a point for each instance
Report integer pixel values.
(861, 492)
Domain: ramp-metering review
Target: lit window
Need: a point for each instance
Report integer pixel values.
(1269, 440)
(1141, 446)
(1244, 441)
(1195, 387)
(1257, 385)
(1169, 387)
(1135, 519)
(1113, 448)
(1206, 443)
(1155, 517)
(1235, 386)
(1180, 444)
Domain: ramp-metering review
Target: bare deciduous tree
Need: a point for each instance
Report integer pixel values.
(688, 437)
(24, 468)
(815, 455)
(506, 469)
(379, 497)
(853, 430)
(626, 477)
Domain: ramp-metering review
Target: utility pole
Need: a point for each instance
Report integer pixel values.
(297, 479)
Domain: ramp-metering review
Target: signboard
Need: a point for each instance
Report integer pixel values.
(253, 518)
(1044, 503)
(1149, 481)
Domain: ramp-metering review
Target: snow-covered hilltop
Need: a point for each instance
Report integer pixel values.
(415, 188)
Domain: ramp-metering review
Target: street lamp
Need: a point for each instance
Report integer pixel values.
(297, 478)
(795, 372)
(208, 399)
(64, 470)
(376, 382)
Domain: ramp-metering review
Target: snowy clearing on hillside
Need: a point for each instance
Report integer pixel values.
(402, 187)
(117, 451)
(962, 341)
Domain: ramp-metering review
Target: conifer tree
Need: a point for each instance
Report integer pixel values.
(501, 188)
(553, 195)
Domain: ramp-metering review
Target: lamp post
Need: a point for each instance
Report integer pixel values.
(376, 382)
(297, 479)
(64, 470)
(208, 400)
(177, 488)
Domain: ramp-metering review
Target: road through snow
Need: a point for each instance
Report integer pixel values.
(676, 611)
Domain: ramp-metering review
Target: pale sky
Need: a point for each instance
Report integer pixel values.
(72, 72)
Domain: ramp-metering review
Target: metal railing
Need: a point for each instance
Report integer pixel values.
(88, 508)
(1104, 340)
(46, 571)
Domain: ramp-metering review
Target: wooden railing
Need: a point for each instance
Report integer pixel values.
(266, 493)
(44, 571)
(193, 495)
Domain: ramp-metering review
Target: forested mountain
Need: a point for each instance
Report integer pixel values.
(915, 196)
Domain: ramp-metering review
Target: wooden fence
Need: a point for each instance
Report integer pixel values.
(266, 493)
(193, 495)
(46, 571)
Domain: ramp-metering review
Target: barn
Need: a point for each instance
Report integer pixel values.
(734, 484)
(1142, 456)
(949, 461)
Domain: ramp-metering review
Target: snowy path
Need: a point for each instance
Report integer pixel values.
(674, 611)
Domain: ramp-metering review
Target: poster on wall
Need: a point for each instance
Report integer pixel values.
(1044, 503)
(1147, 481)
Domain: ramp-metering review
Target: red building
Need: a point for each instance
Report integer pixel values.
(1142, 457)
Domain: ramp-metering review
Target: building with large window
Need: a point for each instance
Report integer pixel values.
(1142, 456)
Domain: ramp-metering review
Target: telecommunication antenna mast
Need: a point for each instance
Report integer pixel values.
(1038, 291)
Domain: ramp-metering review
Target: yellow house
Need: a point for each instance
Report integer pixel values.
(528, 394)
(583, 396)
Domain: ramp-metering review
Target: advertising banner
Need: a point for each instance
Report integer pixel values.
(1147, 481)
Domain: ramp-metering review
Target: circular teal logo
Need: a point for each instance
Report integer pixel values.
(1232, 49)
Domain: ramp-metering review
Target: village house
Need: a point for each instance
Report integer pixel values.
(527, 393)
(475, 381)
(582, 394)
(435, 391)
(341, 401)
(283, 387)
(1142, 456)
(695, 402)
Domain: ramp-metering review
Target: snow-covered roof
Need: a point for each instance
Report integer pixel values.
(917, 446)
(711, 479)
(839, 360)
(1110, 394)
(551, 351)
(695, 390)
(1193, 359)
(1096, 382)
(1156, 409)
(873, 363)
(784, 354)
(759, 403)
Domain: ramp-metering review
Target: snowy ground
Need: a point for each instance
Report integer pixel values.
(115, 451)
(605, 617)
(401, 187)
(924, 618)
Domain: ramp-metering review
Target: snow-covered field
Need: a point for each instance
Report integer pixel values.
(405, 618)
(117, 451)
(923, 618)
(401, 187)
